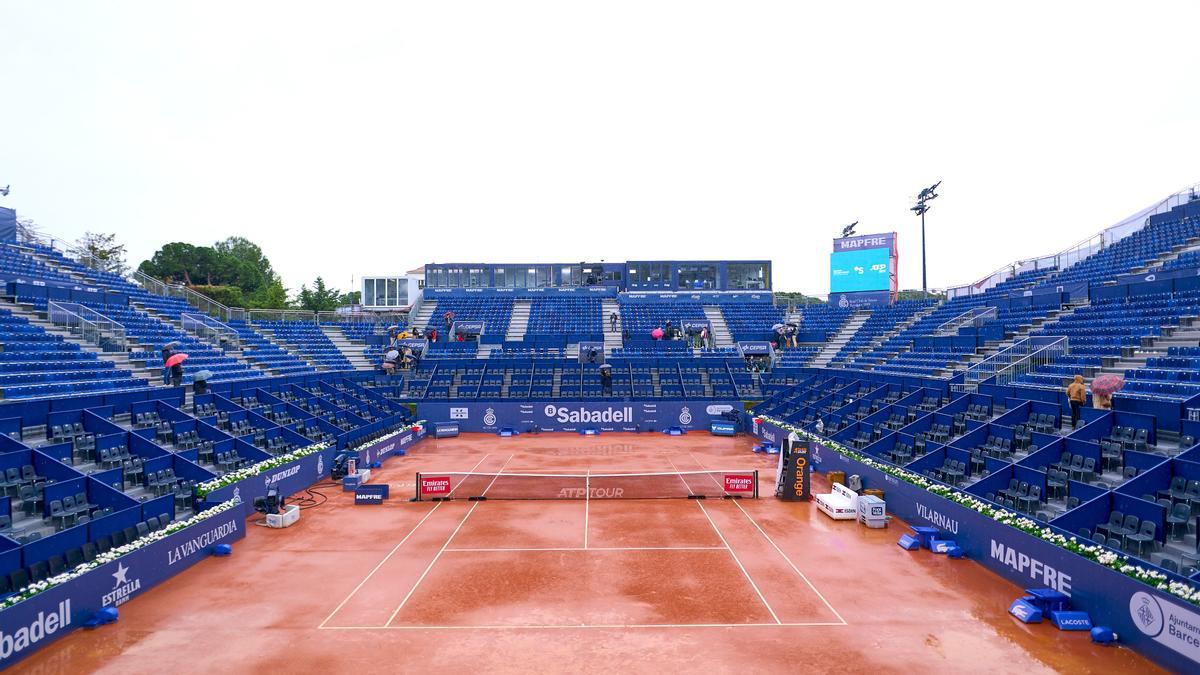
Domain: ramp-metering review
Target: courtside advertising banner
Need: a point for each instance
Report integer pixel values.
(1164, 628)
(33, 623)
(575, 416)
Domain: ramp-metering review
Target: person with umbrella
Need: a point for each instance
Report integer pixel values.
(200, 383)
(1076, 396)
(1103, 387)
(167, 350)
(656, 334)
(389, 361)
(175, 363)
(606, 378)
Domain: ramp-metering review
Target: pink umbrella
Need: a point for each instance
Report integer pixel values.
(1107, 384)
(176, 358)
(657, 333)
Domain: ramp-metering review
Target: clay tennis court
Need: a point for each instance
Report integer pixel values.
(579, 585)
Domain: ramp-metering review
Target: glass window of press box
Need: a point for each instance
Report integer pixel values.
(385, 292)
(748, 276)
(698, 276)
(644, 274)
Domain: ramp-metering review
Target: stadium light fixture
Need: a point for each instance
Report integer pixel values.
(921, 208)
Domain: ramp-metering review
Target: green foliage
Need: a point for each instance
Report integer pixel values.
(230, 296)
(102, 252)
(271, 296)
(235, 264)
(790, 297)
(915, 294)
(320, 298)
(176, 262)
(351, 298)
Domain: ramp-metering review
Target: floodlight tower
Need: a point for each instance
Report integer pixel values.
(922, 207)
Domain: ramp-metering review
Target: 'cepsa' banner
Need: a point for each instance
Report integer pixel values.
(574, 416)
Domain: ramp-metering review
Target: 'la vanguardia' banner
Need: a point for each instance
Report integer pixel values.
(36, 621)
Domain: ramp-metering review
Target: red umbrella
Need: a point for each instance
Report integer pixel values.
(175, 359)
(1107, 384)
(657, 333)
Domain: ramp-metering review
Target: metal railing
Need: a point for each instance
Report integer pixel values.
(280, 315)
(211, 330)
(1022, 357)
(91, 326)
(1084, 249)
(975, 316)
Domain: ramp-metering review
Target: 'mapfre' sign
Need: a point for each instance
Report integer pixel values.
(371, 494)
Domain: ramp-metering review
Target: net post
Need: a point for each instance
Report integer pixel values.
(756, 483)
(418, 488)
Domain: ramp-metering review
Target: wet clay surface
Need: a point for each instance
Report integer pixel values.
(580, 586)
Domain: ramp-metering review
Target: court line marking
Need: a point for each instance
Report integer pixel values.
(593, 548)
(587, 503)
(724, 541)
(447, 544)
(613, 626)
(390, 553)
(780, 552)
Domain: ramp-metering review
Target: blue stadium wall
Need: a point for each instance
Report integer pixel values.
(8, 224)
(1150, 621)
(477, 416)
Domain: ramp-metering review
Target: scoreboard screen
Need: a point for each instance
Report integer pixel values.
(860, 270)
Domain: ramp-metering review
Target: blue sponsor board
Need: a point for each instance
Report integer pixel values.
(468, 327)
(374, 494)
(287, 479)
(861, 299)
(34, 623)
(754, 348)
(1155, 623)
(304, 472)
(435, 293)
(573, 416)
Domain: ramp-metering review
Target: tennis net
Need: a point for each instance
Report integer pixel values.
(445, 485)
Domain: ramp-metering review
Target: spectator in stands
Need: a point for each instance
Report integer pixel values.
(669, 331)
(612, 322)
(449, 317)
(1076, 396)
(820, 426)
(624, 335)
(177, 374)
(433, 335)
(198, 387)
(1102, 401)
(790, 331)
(704, 338)
(166, 354)
(606, 379)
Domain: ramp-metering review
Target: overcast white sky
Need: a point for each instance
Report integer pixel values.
(351, 137)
